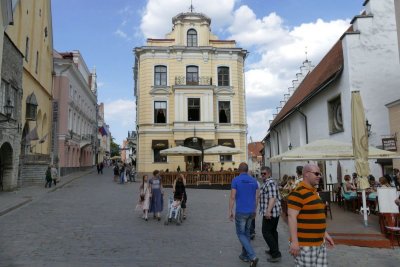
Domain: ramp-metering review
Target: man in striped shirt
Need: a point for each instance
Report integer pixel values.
(270, 210)
(307, 221)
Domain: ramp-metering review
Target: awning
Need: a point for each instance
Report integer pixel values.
(226, 142)
(159, 144)
(180, 150)
(221, 150)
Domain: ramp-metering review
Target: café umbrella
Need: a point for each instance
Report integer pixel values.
(222, 150)
(180, 150)
(360, 147)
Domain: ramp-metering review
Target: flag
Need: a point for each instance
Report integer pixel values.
(103, 131)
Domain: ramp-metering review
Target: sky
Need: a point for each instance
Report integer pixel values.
(279, 34)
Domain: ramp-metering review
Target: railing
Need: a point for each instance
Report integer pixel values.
(200, 178)
(35, 158)
(183, 80)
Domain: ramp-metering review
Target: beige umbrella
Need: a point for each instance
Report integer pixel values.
(360, 146)
(180, 150)
(115, 157)
(222, 150)
(328, 149)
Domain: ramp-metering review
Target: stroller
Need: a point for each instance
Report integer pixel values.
(174, 213)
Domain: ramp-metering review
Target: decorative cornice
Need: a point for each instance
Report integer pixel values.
(224, 90)
(160, 90)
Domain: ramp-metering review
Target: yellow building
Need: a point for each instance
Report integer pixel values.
(32, 35)
(189, 90)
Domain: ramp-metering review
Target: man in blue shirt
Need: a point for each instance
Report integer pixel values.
(244, 193)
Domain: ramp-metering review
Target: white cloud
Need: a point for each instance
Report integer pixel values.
(258, 123)
(156, 20)
(120, 115)
(121, 34)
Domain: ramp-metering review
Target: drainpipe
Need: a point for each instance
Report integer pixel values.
(305, 122)
(279, 164)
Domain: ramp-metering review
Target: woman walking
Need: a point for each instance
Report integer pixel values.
(179, 189)
(156, 195)
(145, 194)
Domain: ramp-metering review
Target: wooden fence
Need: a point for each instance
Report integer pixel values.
(200, 178)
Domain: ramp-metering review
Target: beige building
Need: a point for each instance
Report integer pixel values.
(32, 35)
(189, 90)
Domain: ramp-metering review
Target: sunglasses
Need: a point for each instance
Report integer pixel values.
(317, 173)
(263, 173)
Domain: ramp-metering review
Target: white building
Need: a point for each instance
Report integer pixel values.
(365, 59)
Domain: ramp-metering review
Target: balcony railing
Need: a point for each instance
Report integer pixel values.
(200, 178)
(183, 80)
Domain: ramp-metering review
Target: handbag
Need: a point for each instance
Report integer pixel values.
(141, 197)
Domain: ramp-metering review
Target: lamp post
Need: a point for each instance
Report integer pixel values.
(8, 110)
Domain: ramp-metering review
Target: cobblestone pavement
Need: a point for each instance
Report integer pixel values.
(92, 222)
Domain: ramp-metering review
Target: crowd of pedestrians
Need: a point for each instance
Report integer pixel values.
(306, 216)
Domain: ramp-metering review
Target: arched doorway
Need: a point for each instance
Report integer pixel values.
(6, 165)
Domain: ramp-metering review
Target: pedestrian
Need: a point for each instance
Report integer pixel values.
(299, 175)
(157, 192)
(116, 173)
(253, 222)
(144, 197)
(98, 168)
(54, 174)
(49, 180)
(307, 221)
(244, 193)
(270, 210)
(122, 174)
(101, 167)
(179, 190)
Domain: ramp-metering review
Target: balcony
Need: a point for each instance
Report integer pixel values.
(193, 81)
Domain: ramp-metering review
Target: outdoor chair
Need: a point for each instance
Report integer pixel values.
(326, 198)
(391, 223)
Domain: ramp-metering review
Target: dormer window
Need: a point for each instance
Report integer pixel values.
(191, 37)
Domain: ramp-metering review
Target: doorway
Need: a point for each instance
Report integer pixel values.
(192, 163)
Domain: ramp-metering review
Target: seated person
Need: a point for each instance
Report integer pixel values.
(384, 182)
(349, 190)
(289, 186)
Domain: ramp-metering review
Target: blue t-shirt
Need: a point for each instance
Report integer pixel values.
(246, 188)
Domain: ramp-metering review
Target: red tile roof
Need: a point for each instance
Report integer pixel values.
(254, 149)
(330, 66)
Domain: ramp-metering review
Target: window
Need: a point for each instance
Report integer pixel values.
(8, 96)
(191, 37)
(224, 111)
(158, 157)
(31, 107)
(160, 112)
(192, 75)
(160, 75)
(26, 49)
(193, 109)
(37, 62)
(335, 116)
(225, 158)
(223, 76)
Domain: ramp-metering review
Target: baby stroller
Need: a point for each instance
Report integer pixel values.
(174, 213)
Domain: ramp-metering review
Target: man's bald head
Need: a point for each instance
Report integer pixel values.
(243, 167)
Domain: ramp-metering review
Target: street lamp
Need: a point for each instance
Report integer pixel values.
(8, 110)
(290, 146)
(368, 127)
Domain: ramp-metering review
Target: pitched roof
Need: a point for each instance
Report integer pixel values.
(254, 149)
(324, 73)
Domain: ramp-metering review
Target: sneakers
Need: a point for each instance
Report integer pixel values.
(244, 258)
(254, 262)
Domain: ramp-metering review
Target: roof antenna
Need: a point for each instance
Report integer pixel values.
(191, 6)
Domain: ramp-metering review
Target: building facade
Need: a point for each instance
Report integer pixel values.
(31, 33)
(365, 59)
(74, 112)
(189, 90)
(10, 103)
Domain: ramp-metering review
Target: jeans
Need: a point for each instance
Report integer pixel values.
(270, 235)
(121, 178)
(243, 223)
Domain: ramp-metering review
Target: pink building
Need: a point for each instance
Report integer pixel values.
(74, 113)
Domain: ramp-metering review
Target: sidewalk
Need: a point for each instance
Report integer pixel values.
(10, 201)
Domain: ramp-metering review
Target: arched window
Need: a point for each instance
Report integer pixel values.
(31, 107)
(191, 37)
(160, 75)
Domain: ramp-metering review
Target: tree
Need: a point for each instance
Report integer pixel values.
(115, 148)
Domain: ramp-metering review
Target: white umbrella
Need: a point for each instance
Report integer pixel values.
(180, 150)
(327, 149)
(222, 150)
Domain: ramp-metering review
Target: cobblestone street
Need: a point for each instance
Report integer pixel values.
(92, 222)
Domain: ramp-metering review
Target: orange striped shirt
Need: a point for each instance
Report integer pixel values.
(311, 221)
